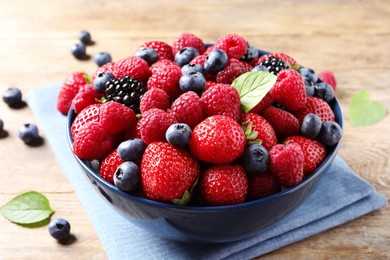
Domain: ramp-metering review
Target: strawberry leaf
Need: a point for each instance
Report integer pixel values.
(252, 87)
(184, 200)
(363, 111)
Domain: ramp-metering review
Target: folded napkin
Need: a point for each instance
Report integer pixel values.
(339, 197)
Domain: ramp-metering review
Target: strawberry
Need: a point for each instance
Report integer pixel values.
(233, 69)
(233, 44)
(167, 172)
(69, 89)
(187, 40)
(327, 76)
(163, 49)
(109, 165)
(134, 67)
(286, 163)
(262, 185)
(218, 139)
(153, 125)
(188, 109)
(284, 57)
(154, 98)
(283, 122)
(89, 114)
(316, 106)
(289, 90)
(86, 96)
(314, 152)
(115, 117)
(265, 102)
(223, 185)
(167, 78)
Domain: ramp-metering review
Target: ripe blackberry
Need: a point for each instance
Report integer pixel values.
(126, 90)
(274, 65)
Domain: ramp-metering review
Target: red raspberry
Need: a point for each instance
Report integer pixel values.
(327, 76)
(210, 84)
(284, 57)
(247, 67)
(115, 117)
(264, 103)
(284, 123)
(132, 132)
(154, 98)
(161, 64)
(316, 106)
(187, 40)
(200, 61)
(289, 90)
(153, 125)
(233, 69)
(222, 99)
(234, 45)
(109, 165)
(89, 114)
(163, 49)
(167, 79)
(209, 49)
(262, 185)
(132, 66)
(188, 109)
(86, 96)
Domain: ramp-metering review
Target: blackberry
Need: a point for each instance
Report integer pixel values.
(274, 65)
(127, 91)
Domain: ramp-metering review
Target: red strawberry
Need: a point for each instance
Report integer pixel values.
(154, 98)
(163, 49)
(221, 99)
(284, 57)
(284, 123)
(265, 102)
(286, 163)
(233, 44)
(327, 76)
(262, 185)
(188, 109)
(167, 172)
(86, 96)
(109, 165)
(132, 66)
(233, 69)
(316, 106)
(218, 139)
(167, 78)
(223, 185)
(289, 90)
(89, 114)
(69, 89)
(160, 64)
(153, 125)
(313, 151)
(115, 117)
(187, 40)
(266, 134)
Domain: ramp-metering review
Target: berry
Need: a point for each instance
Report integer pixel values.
(330, 133)
(126, 91)
(282, 56)
(178, 134)
(12, 97)
(147, 54)
(133, 67)
(264, 103)
(85, 37)
(255, 159)
(289, 90)
(309, 86)
(324, 91)
(327, 76)
(250, 54)
(29, 133)
(283, 122)
(215, 61)
(161, 64)
(99, 83)
(311, 126)
(127, 177)
(88, 114)
(218, 139)
(167, 78)
(115, 117)
(185, 55)
(59, 229)
(260, 68)
(274, 65)
(102, 58)
(1, 126)
(167, 172)
(286, 163)
(223, 185)
(78, 50)
(109, 165)
(131, 150)
(262, 185)
(188, 40)
(316, 106)
(193, 81)
(234, 45)
(233, 69)
(187, 109)
(192, 67)
(163, 49)
(309, 73)
(154, 98)
(107, 68)
(86, 96)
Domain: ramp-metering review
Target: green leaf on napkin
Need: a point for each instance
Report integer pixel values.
(252, 87)
(364, 111)
(28, 208)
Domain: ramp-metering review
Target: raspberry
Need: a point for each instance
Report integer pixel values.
(86, 96)
(234, 45)
(188, 109)
(132, 66)
(187, 40)
(316, 106)
(246, 66)
(284, 123)
(264, 103)
(262, 185)
(163, 49)
(115, 117)
(161, 64)
(154, 98)
(284, 57)
(200, 59)
(210, 84)
(108, 67)
(167, 79)
(209, 49)
(327, 76)
(233, 69)
(109, 165)
(89, 114)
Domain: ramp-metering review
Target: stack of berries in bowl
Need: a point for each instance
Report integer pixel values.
(195, 126)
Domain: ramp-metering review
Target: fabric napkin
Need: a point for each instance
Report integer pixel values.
(339, 197)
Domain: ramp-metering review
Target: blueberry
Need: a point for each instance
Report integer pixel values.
(309, 73)
(311, 126)
(12, 97)
(215, 61)
(255, 159)
(78, 50)
(194, 81)
(147, 54)
(127, 177)
(251, 54)
(102, 58)
(330, 133)
(185, 55)
(131, 150)
(178, 134)
(260, 68)
(99, 83)
(85, 37)
(29, 133)
(189, 68)
(324, 91)
(309, 86)
(1, 125)
(59, 229)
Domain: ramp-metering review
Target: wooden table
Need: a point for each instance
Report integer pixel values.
(352, 38)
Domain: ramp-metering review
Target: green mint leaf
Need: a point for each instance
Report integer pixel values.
(252, 87)
(28, 208)
(364, 111)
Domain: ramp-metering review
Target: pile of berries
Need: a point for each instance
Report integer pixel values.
(169, 123)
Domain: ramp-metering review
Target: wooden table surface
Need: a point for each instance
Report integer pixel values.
(352, 38)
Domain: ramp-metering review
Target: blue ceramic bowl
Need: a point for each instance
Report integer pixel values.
(204, 224)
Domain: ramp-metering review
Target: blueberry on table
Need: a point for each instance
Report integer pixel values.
(78, 50)
(29, 133)
(190, 68)
(255, 159)
(324, 91)
(330, 133)
(147, 54)
(99, 83)
(311, 126)
(185, 55)
(59, 229)
(194, 81)
(85, 37)
(102, 58)
(309, 73)
(12, 97)
(131, 150)
(127, 177)
(178, 134)
(215, 61)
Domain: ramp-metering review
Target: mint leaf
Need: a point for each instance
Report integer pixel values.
(364, 111)
(252, 87)
(28, 208)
